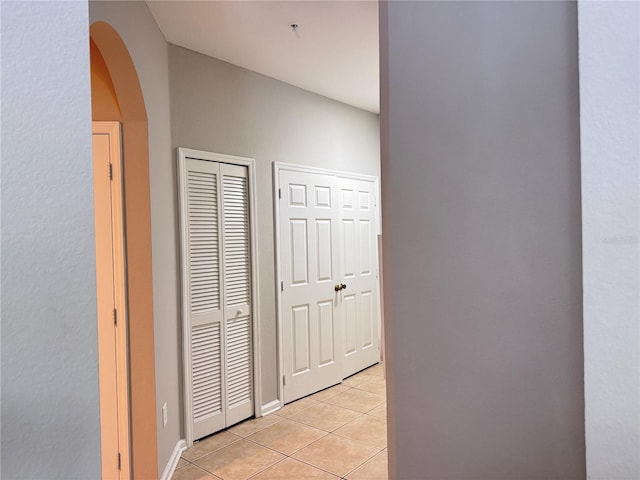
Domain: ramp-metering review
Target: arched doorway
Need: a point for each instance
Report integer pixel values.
(117, 97)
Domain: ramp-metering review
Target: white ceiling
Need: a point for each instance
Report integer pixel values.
(334, 51)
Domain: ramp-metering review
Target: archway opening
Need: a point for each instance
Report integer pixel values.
(117, 96)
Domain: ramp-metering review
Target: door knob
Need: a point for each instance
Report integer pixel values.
(338, 287)
(342, 286)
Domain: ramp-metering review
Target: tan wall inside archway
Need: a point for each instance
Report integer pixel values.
(104, 101)
(116, 95)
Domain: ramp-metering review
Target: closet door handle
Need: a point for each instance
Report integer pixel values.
(342, 286)
(338, 287)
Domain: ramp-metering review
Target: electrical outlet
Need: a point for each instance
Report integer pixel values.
(165, 419)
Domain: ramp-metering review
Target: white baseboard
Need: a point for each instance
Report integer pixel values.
(180, 447)
(271, 407)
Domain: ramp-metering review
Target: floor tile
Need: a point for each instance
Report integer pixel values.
(329, 392)
(380, 411)
(366, 374)
(296, 407)
(239, 460)
(335, 454)
(291, 469)
(366, 429)
(249, 427)
(355, 380)
(209, 444)
(355, 411)
(358, 400)
(374, 469)
(326, 417)
(287, 436)
(374, 384)
(191, 472)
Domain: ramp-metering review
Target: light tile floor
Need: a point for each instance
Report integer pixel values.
(338, 433)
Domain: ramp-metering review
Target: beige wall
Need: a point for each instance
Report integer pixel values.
(610, 151)
(481, 212)
(218, 107)
(50, 406)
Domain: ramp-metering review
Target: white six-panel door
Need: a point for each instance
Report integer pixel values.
(327, 241)
(216, 295)
(358, 270)
(312, 338)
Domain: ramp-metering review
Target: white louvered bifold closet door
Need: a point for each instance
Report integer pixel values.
(237, 292)
(217, 293)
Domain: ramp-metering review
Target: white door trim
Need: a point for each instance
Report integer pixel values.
(183, 154)
(277, 167)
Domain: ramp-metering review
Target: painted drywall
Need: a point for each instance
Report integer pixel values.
(609, 42)
(218, 107)
(148, 50)
(481, 214)
(50, 406)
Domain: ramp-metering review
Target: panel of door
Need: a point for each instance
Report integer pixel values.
(311, 329)
(202, 257)
(238, 363)
(358, 270)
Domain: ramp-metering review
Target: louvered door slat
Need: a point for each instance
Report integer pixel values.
(207, 375)
(236, 241)
(239, 363)
(202, 196)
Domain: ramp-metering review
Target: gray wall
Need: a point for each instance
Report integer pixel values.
(221, 108)
(50, 406)
(148, 50)
(481, 196)
(610, 147)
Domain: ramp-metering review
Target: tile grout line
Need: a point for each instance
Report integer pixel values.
(296, 459)
(268, 467)
(291, 456)
(202, 469)
(367, 460)
(212, 451)
(349, 472)
(296, 451)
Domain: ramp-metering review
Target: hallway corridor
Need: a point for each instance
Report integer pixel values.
(338, 433)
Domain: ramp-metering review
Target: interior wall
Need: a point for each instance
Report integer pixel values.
(218, 107)
(481, 197)
(148, 50)
(50, 399)
(610, 143)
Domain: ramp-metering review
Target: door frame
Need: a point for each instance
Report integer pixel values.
(280, 166)
(114, 175)
(183, 154)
